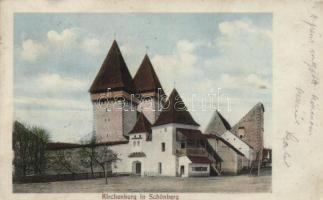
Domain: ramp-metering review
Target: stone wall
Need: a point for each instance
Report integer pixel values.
(251, 127)
(113, 120)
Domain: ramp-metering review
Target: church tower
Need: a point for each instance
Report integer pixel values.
(112, 95)
(150, 90)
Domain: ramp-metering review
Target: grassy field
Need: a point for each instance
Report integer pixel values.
(230, 184)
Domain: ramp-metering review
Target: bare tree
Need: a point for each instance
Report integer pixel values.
(105, 157)
(97, 154)
(62, 160)
(87, 154)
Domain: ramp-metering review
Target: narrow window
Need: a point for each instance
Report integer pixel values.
(138, 143)
(134, 143)
(163, 146)
(241, 132)
(165, 129)
(160, 168)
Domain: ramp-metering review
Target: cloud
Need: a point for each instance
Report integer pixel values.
(57, 82)
(59, 43)
(179, 65)
(91, 46)
(67, 35)
(238, 28)
(31, 50)
(126, 50)
(52, 103)
(251, 80)
(242, 47)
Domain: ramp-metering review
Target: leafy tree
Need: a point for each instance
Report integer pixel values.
(29, 145)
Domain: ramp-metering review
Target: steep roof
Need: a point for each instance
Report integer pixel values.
(113, 73)
(146, 79)
(175, 111)
(218, 124)
(142, 125)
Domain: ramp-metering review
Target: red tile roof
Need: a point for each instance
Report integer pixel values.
(113, 73)
(63, 145)
(198, 159)
(191, 134)
(142, 125)
(175, 111)
(146, 79)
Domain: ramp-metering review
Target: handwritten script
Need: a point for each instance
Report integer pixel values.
(306, 104)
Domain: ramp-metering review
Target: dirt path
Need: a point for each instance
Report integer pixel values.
(242, 183)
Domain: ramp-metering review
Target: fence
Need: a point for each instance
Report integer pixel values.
(59, 177)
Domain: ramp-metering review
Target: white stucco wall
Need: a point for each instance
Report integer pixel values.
(199, 173)
(123, 152)
(184, 161)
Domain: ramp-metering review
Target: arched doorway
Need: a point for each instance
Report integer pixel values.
(136, 167)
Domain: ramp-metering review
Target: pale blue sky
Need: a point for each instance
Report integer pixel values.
(56, 57)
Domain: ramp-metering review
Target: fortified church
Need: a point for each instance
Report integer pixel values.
(151, 141)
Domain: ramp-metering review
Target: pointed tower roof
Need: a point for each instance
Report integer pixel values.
(218, 124)
(175, 111)
(142, 125)
(113, 73)
(146, 79)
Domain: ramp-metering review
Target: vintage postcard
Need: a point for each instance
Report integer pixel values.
(161, 100)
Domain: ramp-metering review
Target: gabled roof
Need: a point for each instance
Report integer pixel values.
(218, 124)
(142, 125)
(197, 159)
(113, 73)
(146, 79)
(175, 111)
